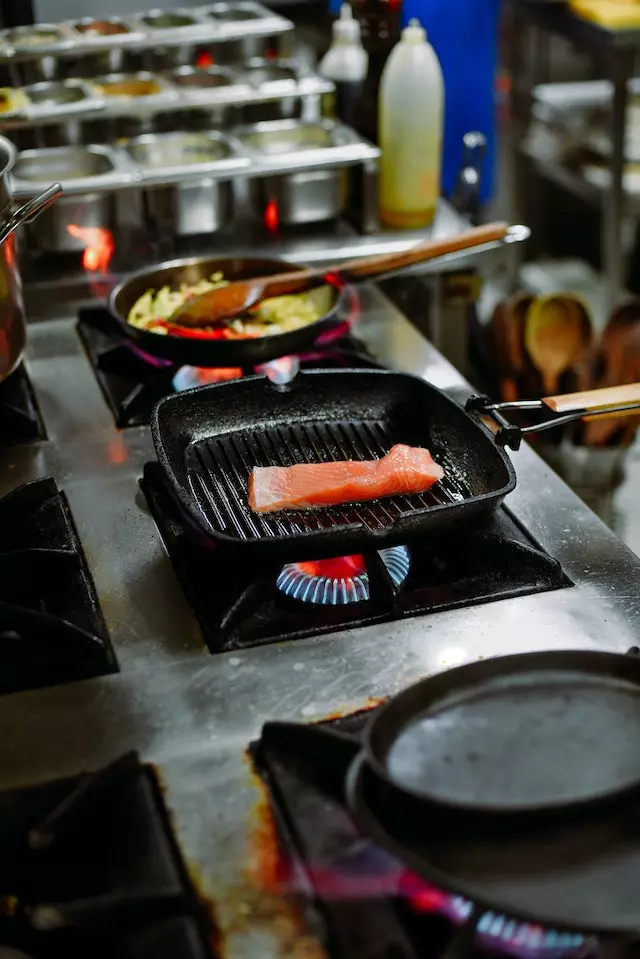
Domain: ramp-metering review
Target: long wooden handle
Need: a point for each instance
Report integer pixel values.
(372, 266)
(591, 401)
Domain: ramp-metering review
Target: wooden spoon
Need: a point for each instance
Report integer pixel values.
(557, 336)
(240, 295)
(506, 332)
(619, 364)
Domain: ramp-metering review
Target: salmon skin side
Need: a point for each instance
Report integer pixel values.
(404, 470)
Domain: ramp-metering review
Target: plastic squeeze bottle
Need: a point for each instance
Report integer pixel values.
(346, 62)
(411, 108)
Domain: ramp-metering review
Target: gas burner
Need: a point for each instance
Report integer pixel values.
(336, 582)
(500, 934)
(133, 382)
(249, 606)
(371, 902)
(188, 377)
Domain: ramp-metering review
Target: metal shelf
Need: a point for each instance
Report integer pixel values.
(570, 180)
(615, 48)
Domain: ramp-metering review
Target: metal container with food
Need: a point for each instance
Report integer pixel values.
(37, 38)
(310, 195)
(173, 33)
(142, 86)
(91, 29)
(13, 330)
(274, 83)
(195, 80)
(107, 40)
(53, 97)
(26, 53)
(212, 86)
(13, 103)
(200, 203)
(92, 172)
(160, 20)
(33, 52)
(260, 72)
(250, 19)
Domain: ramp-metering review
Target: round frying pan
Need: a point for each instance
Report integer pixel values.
(518, 735)
(333, 303)
(524, 734)
(197, 347)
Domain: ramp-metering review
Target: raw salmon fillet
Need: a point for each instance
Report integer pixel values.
(405, 469)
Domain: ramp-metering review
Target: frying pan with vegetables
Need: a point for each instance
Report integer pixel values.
(198, 347)
(195, 344)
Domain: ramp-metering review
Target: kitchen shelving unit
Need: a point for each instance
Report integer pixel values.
(616, 50)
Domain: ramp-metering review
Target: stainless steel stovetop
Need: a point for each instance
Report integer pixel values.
(193, 714)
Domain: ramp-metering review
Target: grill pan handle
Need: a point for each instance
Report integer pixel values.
(612, 402)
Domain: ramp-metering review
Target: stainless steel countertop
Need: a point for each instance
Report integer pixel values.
(192, 713)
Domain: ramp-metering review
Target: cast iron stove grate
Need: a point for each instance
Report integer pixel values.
(238, 604)
(133, 382)
(51, 625)
(89, 867)
(361, 901)
(20, 418)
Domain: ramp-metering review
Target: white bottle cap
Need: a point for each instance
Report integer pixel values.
(346, 27)
(413, 32)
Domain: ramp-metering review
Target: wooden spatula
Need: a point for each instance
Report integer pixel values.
(240, 295)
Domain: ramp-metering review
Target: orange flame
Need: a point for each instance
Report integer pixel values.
(99, 246)
(204, 59)
(271, 217)
(219, 374)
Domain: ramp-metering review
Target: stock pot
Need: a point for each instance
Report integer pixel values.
(13, 331)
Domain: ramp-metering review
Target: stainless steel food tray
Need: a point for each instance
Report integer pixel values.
(347, 149)
(112, 167)
(212, 23)
(173, 94)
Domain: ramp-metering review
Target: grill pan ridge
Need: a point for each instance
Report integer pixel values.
(209, 439)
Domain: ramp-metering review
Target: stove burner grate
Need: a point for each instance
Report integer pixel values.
(90, 867)
(336, 582)
(20, 417)
(51, 625)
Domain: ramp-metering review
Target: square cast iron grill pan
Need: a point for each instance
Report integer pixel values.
(208, 441)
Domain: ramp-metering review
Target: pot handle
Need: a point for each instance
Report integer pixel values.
(30, 210)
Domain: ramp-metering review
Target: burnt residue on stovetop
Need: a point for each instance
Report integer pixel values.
(352, 887)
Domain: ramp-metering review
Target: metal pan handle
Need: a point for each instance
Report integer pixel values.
(30, 210)
(610, 402)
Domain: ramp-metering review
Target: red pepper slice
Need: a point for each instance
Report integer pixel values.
(192, 333)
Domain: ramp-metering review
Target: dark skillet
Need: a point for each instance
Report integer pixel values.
(525, 795)
(333, 301)
(513, 781)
